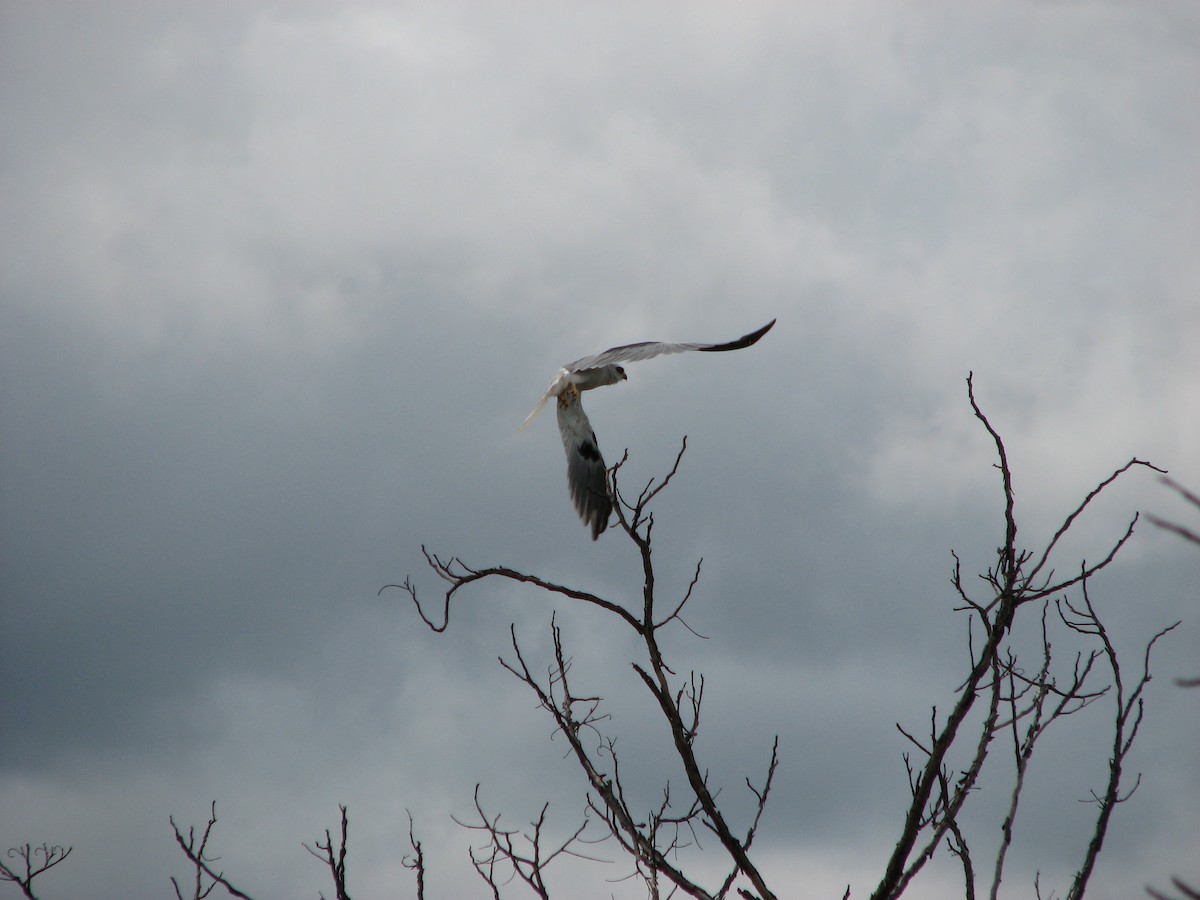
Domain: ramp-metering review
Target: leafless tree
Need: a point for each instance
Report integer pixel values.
(1017, 709)
(51, 855)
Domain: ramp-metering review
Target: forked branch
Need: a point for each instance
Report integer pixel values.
(51, 855)
(335, 860)
(576, 716)
(196, 850)
(416, 862)
(510, 853)
(1127, 720)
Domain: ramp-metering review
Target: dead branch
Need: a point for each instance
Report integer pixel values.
(557, 698)
(1070, 520)
(1192, 498)
(416, 862)
(196, 852)
(657, 677)
(501, 855)
(1128, 719)
(1185, 892)
(638, 509)
(459, 575)
(51, 854)
(1041, 688)
(336, 863)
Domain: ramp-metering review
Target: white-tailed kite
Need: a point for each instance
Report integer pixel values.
(585, 466)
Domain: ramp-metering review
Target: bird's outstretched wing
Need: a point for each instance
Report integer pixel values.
(632, 353)
(587, 476)
(651, 349)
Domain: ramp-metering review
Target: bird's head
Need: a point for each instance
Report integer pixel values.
(621, 373)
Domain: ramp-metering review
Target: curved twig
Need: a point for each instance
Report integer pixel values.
(459, 575)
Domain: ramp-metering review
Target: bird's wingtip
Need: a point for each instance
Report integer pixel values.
(753, 337)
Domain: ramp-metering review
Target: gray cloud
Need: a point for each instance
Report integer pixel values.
(279, 284)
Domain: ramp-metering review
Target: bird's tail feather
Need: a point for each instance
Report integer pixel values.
(533, 415)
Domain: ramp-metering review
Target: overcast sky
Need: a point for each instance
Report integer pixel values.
(279, 281)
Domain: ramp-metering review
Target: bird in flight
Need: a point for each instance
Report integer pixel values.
(586, 472)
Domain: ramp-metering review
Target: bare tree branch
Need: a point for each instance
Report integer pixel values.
(1190, 497)
(197, 855)
(1185, 533)
(657, 679)
(1185, 892)
(416, 862)
(558, 699)
(501, 852)
(1128, 719)
(458, 574)
(335, 862)
(1070, 520)
(51, 854)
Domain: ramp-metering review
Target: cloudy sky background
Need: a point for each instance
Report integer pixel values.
(279, 281)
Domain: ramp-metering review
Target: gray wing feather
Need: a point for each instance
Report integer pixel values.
(651, 349)
(587, 476)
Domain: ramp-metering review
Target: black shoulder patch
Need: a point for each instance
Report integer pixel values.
(589, 452)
